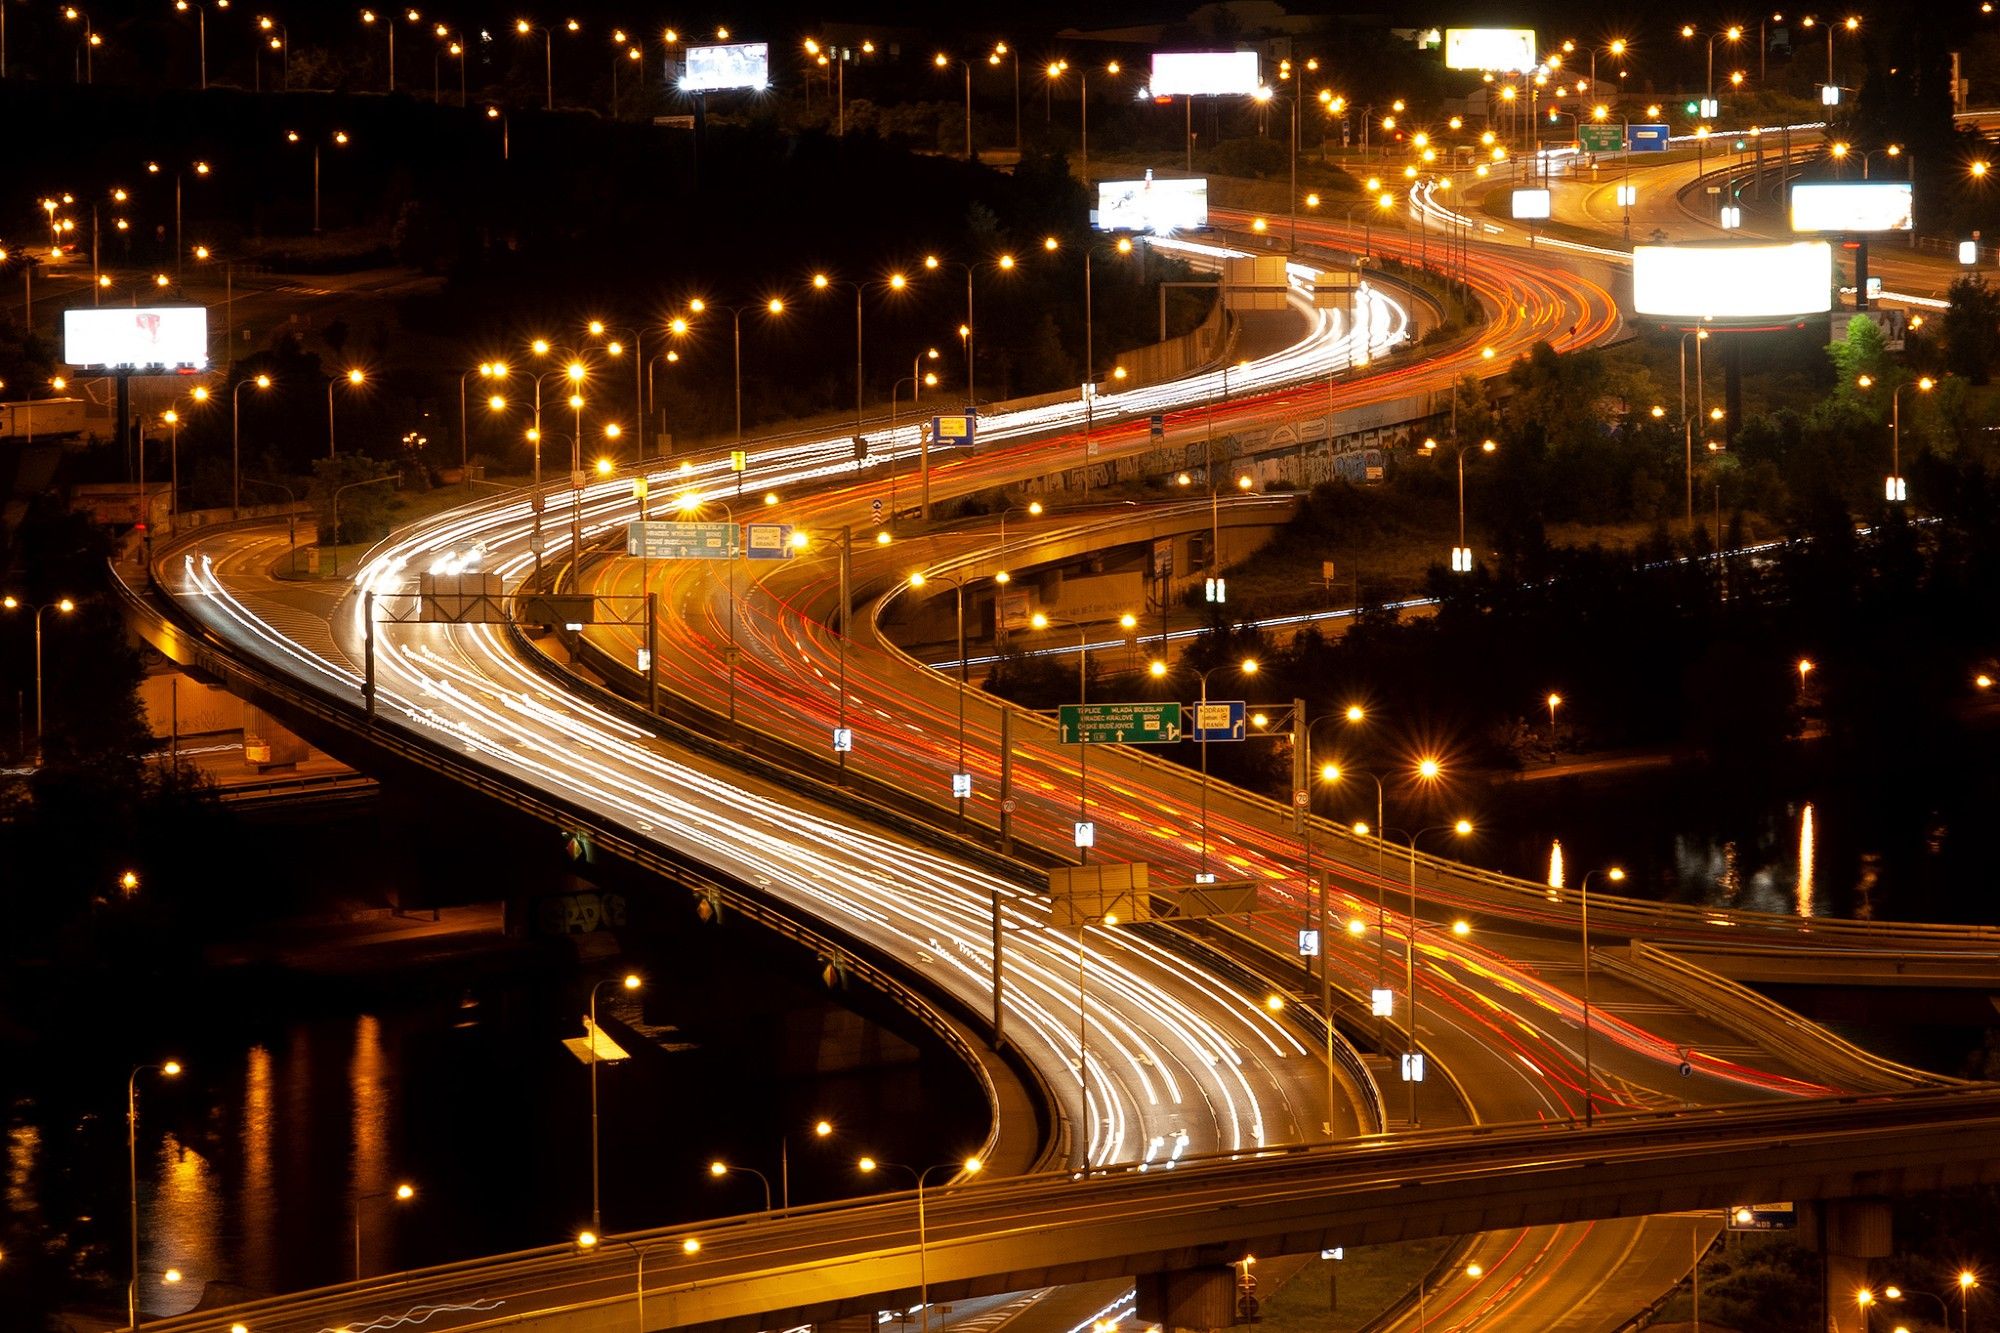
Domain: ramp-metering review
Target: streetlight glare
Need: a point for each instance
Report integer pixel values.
(866, 1164)
(1463, 826)
(691, 1246)
(823, 1128)
(1039, 620)
(1157, 668)
(1428, 768)
(586, 1240)
(1249, 667)
(1329, 772)
(1355, 713)
(973, 1166)
(171, 1068)
(775, 306)
(406, 1192)
(718, 1169)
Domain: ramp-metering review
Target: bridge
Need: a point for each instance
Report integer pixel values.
(1178, 1231)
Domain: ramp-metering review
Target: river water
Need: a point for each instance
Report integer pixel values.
(305, 1099)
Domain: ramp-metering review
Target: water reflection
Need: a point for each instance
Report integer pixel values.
(257, 1196)
(24, 1143)
(1556, 864)
(369, 1112)
(178, 1230)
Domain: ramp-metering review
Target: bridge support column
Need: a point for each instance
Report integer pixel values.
(1847, 1233)
(1189, 1298)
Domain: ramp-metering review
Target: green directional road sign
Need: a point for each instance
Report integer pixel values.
(1601, 138)
(681, 541)
(1120, 724)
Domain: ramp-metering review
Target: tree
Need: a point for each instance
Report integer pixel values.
(1861, 352)
(1971, 329)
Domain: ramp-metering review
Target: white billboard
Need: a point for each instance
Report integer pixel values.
(1851, 206)
(1502, 50)
(1204, 73)
(146, 338)
(738, 65)
(1733, 281)
(1530, 205)
(1150, 205)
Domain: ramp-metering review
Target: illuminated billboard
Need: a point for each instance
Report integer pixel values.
(1851, 206)
(1152, 205)
(1530, 205)
(1204, 73)
(1502, 50)
(712, 69)
(145, 338)
(1733, 281)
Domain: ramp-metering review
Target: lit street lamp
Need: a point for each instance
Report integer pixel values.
(961, 780)
(1617, 876)
(895, 282)
(1412, 1054)
(971, 1167)
(355, 378)
(1086, 836)
(1894, 489)
(62, 607)
(403, 1193)
(1005, 264)
(170, 1069)
(1247, 667)
(1461, 554)
(236, 442)
(720, 1169)
(690, 504)
(630, 981)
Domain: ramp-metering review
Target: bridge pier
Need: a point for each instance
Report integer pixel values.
(1189, 1298)
(1847, 1233)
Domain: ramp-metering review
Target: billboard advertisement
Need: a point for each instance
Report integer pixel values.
(1204, 73)
(1502, 50)
(1851, 206)
(1152, 205)
(1733, 281)
(1530, 205)
(145, 338)
(712, 69)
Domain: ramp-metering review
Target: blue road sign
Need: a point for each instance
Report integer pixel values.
(767, 541)
(1219, 720)
(957, 429)
(1646, 138)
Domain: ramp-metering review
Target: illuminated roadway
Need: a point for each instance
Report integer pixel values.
(1179, 1060)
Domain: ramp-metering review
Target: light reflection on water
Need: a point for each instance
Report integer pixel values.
(257, 1194)
(369, 1114)
(178, 1228)
(1806, 842)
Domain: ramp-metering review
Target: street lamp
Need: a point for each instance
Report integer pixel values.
(1461, 554)
(495, 372)
(1412, 1056)
(388, 22)
(1122, 246)
(403, 1193)
(201, 29)
(1247, 667)
(690, 504)
(1849, 24)
(1896, 1293)
(1733, 33)
(971, 1166)
(943, 61)
(719, 1169)
(91, 40)
(1617, 876)
(1055, 73)
(261, 382)
(280, 39)
(355, 378)
(895, 282)
(918, 379)
(613, 348)
(1005, 264)
(62, 606)
(961, 780)
(1086, 836)
(993, 58)
(630, 981)
(339, 139)
(1894, 489)
(773, 307)
(170, 1069)
(527, 29)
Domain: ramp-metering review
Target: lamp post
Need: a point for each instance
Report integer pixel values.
(280, 39)
(527, 29)
(337, 492)
(1005, 264)
(1461, 554)
(943, 61)
(355, 378)
(800, 540)
(1700, 336)
(487, 370)
(1849, 24)
(918, 379)
(170, 1069)
(1733, 33)
(1411, 1052)
(1896, 1293)
(91, 41)
(720, 1169)
(773, 307)
(613, 348)
(403, 1193)
(62, 606)
(340, 139)
(1055, 72)
(1617, 876)
(1332, 773)
(1894, 489)
(1085, 835)
(575, 372)
(961, 780)
(630, 981)
(388, 22)
(970, 1166)
(895, 282)
(690, 504)
(236, 442)
(1002, 49)
(1247, 667)
(201, 33)
(1967, 1280)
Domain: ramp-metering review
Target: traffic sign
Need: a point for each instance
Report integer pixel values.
(657, 540)
(961, 785)
(1647, 138)
(1601, 138)
(843, 739)
(957, 429)
(1308, 944)
(767, 541)
(1119, 724)
(739, 461)
(1219, 720)
(1413, 1067)
(1381, 1002)
(1158, 426)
